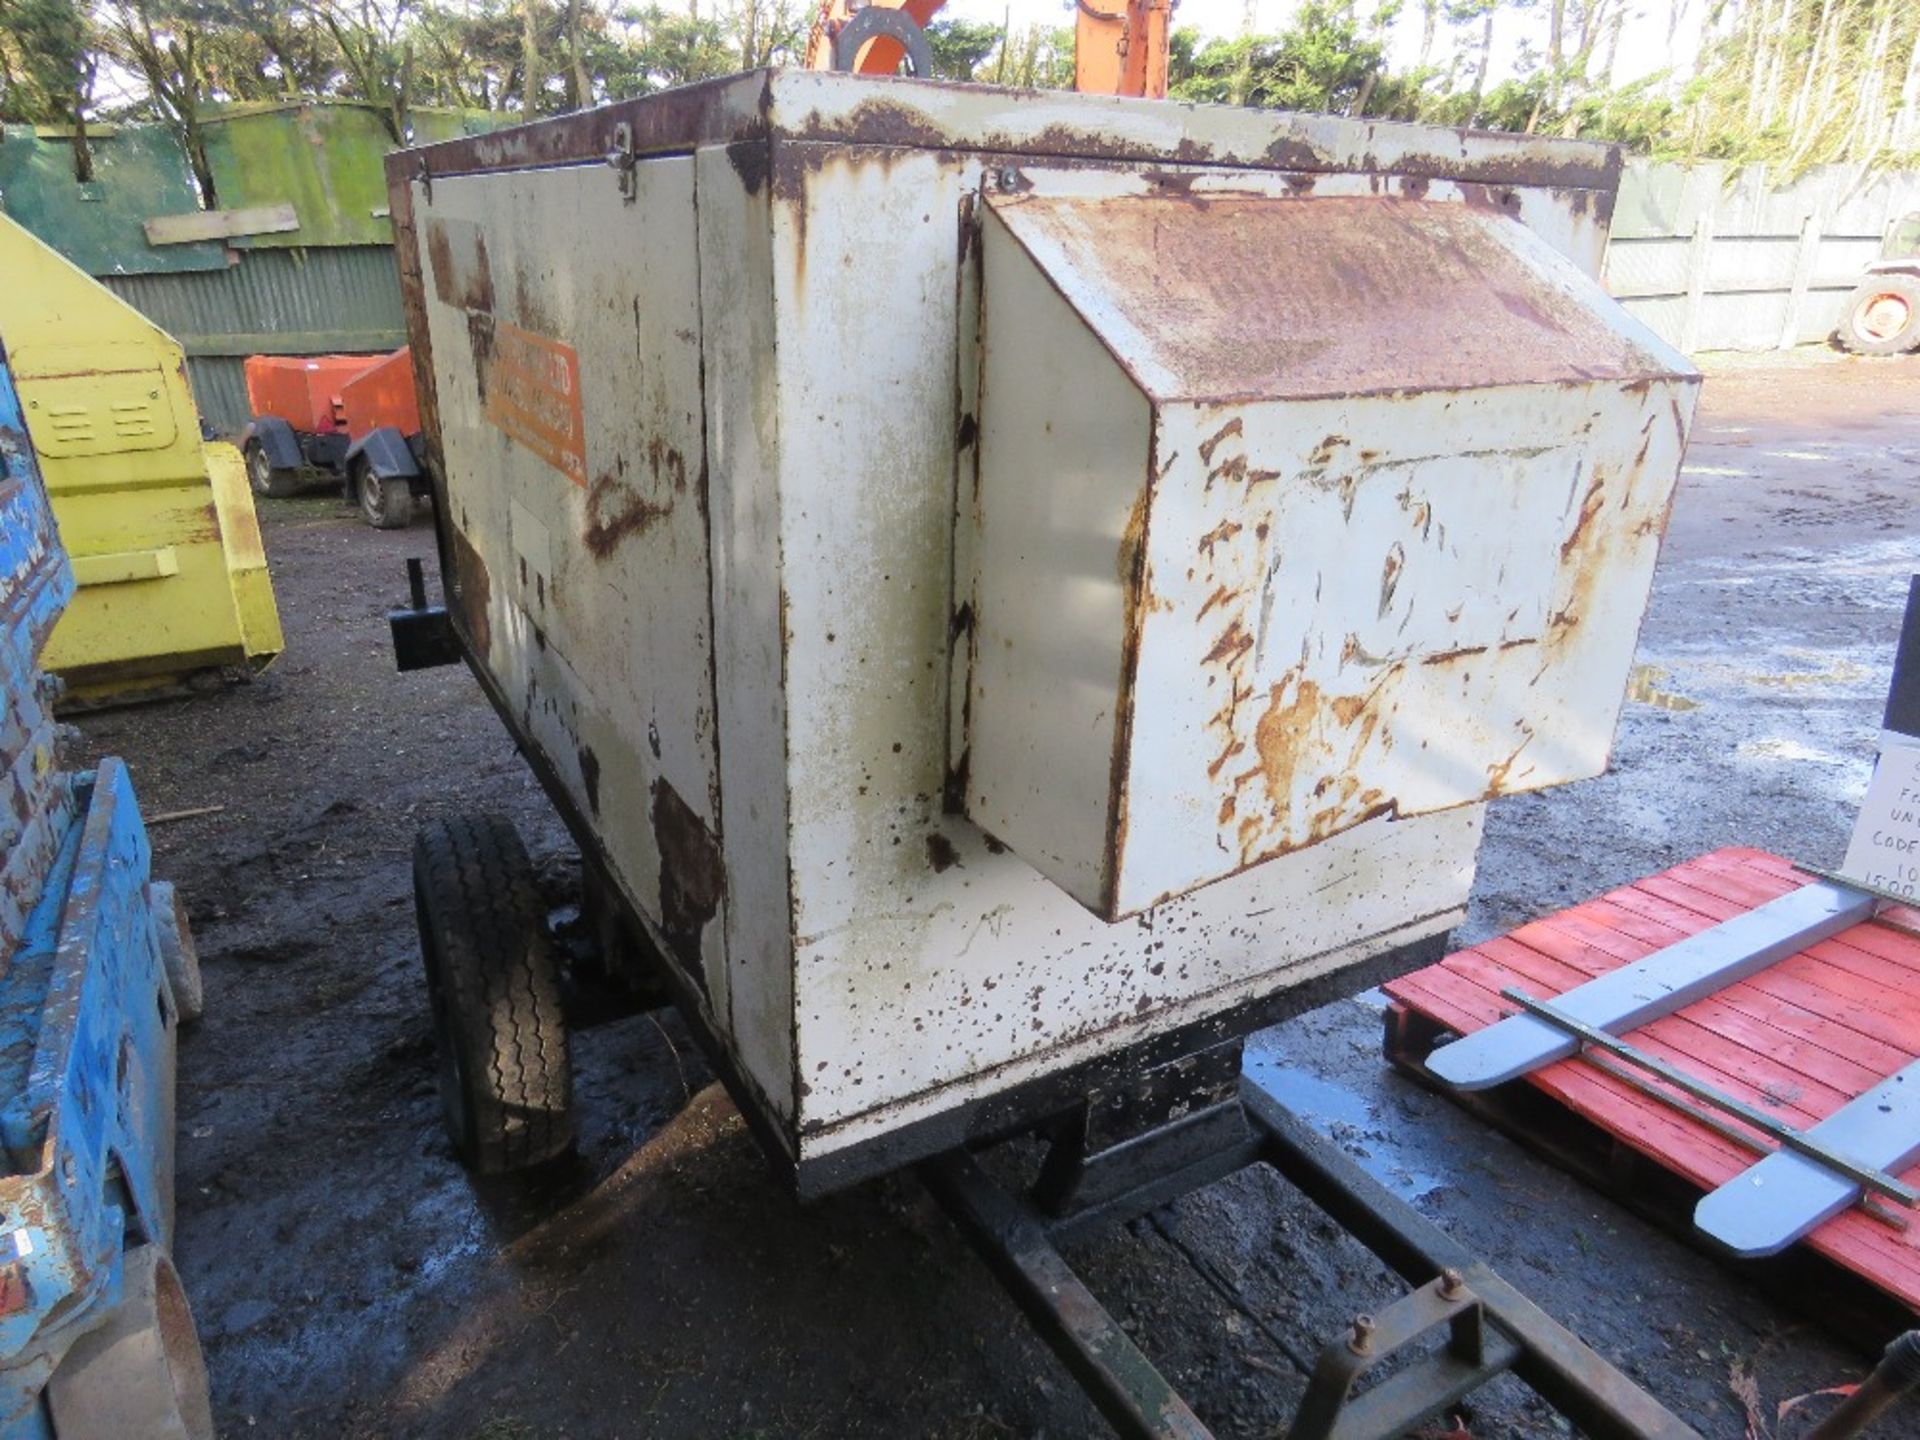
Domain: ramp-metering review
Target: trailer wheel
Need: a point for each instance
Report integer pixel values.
(267, 478)
(506, 1084)
(385, 501)
(1883, 316)
(141, 1372)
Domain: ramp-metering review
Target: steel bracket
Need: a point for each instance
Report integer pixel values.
(625, 160)
(1332, 1409)
(423, 634)
(1172, 1119)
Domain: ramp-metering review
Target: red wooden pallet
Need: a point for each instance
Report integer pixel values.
(1799, 1039)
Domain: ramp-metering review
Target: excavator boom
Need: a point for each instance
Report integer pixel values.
(1120, 50)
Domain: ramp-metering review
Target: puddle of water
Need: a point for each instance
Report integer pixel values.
(1840, 672)
(1344, 1116)
(1775, 748)
(1643, 686)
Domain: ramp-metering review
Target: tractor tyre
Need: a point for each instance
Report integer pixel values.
(1882, 316)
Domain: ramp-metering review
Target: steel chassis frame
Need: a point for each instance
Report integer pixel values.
(1490, 1328)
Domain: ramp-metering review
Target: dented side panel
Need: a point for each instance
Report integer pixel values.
(565, 331)
(36, 584)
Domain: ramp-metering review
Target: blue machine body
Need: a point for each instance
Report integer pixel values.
(87, 1016)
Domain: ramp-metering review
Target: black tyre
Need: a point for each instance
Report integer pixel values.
(1882, 316)
(385, 503)
(266, 479)
(506, 1083)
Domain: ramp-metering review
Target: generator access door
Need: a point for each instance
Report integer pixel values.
(1295, 512)
(564, 321)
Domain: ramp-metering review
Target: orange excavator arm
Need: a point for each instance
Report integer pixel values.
(1120, 50)
(881, 55)
(1120, 47)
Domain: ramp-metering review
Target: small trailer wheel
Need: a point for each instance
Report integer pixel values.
(386, 502)
(506, 1082)
(1882, 316)
(267, 478)
(141, 1371)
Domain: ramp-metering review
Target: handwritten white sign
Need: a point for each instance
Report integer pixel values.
(1885, 849)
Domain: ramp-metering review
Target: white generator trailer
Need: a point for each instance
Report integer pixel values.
(1011, 592)
(1006, 589)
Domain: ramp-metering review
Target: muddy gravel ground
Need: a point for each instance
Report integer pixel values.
(351, 1280)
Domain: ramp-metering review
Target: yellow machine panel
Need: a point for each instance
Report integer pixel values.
(165, 545)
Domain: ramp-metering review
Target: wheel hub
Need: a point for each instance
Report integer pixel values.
(1884, 316)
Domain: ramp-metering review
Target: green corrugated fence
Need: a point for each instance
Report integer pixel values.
(327, 287)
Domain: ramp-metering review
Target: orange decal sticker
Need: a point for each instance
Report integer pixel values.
(532, 388)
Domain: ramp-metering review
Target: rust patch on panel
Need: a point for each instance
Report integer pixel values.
(1224, 324)
(1130, 567)
(462, 275)
(1590, 505)
(242, 529)
(692, 874)
(1290, 152)
(1220, 533)
(617, 509)
(753, 163)
(673, 120)
(1130, 558)
(1283, 727)
(472, 590)
(940, 853)
(1287, 736)
(589, 775)
(1233, 427)
(709, 112)
(1497, 773)
(1233, 643)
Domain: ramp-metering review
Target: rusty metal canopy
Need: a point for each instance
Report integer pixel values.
(1287, 298)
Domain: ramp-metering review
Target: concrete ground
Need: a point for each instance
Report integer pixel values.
(351, 1280)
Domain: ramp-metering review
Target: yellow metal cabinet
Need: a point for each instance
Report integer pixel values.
(165, 545)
